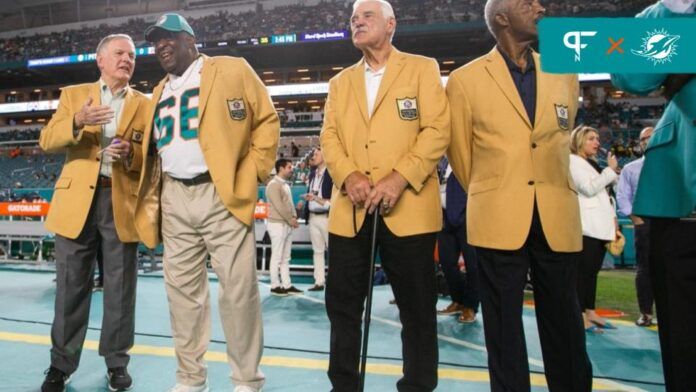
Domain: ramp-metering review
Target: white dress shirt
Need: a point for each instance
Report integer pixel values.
(372, 81)
(114, 101)
(315, 188)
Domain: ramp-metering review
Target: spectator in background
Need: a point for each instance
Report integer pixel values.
(628, 183)
(294, 150)
(282, 219)
(597, 216)
(301, 173)
(316, 214)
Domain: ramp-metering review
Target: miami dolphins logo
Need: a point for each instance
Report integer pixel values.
(659, 47)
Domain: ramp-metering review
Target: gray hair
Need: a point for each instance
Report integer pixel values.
(105, 41)
(387, 9)
(493, 8)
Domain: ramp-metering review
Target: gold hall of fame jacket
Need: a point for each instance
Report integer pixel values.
(505, 163)
(238, 131)
(408, 132)
(75, 188)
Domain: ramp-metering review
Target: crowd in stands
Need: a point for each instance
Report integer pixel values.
(620, 116)
(326, 15)
(596, 7)
(14, 135)
(28, 197)
(31, 169)
(619, 125)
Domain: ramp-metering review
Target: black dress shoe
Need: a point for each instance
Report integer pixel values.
(119, 379)
(292, 290)
(316, 287)
(55, 380)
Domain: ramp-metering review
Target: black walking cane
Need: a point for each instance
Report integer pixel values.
(368, 300)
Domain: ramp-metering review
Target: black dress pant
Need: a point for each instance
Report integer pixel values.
(673, 273)
(590, 261)
(452, 242)
(409, 264)
(502, 279)
(644, 289)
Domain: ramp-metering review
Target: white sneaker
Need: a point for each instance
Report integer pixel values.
(245, 388)
(190, 388)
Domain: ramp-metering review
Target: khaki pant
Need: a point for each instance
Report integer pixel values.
(196, 224)
(319, 234)
(281, 246)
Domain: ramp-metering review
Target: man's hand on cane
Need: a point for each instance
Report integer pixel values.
(358, 187)
(386, 193)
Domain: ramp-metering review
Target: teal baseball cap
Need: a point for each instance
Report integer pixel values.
(169, 22)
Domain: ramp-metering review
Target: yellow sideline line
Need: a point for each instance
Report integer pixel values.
(537, 380)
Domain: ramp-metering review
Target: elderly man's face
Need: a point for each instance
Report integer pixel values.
(369, 27)
(116, 60)
(645, 137)
(172, 51)
(523, 16)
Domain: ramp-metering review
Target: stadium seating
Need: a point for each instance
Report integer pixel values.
(298, 17)
(36, 171)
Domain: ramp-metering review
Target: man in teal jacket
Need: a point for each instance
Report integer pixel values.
(667, 196)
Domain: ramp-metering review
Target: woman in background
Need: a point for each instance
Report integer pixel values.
(597, 214)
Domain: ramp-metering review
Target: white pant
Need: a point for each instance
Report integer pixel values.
(281, 244)
(319, 233)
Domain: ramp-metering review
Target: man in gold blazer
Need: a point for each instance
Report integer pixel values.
(93, 208)
(213, 137)
(386, 126)
(510, 137)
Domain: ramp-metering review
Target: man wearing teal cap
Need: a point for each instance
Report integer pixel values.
(666, 195)
(215, 135)
(170, 22)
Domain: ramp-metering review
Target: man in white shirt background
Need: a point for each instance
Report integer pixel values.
(282, 218)
(316, 213)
